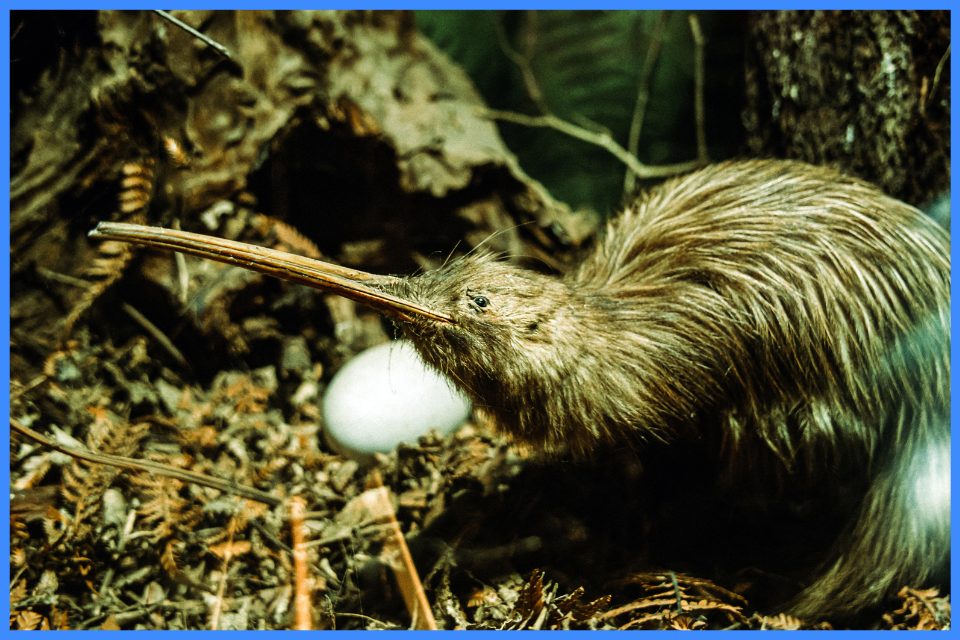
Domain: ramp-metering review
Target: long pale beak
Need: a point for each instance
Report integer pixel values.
(324, 276)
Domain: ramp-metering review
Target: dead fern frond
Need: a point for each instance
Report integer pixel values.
(136, 191)
(667, 603)
(27, 621)
(921, 610)
(285, 237)
(530, 600)
(171, 564)
(245, 395)
(163, 507)
(265, 471)
(107, 267)
(84, 483)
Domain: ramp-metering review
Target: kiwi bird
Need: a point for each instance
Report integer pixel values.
(797, 318)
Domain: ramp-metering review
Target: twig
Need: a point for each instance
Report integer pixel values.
(936, 75)
(924, 87)
(381, 623)
(227, 556)
(545, 609)
(600, 139)
(150, 467)
(184, 276)
(30, 385)
(378, 502)
(676, 592)
(643, 94)
(156, 334)
(61, 278)
(698, 78)
(301, 592)
(219, 48)
(523, 60)
(546, 119)
(272, 538)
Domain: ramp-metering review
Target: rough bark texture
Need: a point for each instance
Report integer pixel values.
(855, 89)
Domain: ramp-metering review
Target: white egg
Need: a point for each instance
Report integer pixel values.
(385, 396)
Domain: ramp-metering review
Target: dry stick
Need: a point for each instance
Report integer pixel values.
(219, 48)
(523, 60)
(150, 467)
(676, 592)
(40, 184)
(30, 385)
(301, 592)
(698, 77)
(182, 273)
(936, 75)
(156, 334)
(924, 86)
(662, 603)
(227, 556)
(548, 599)
(600, 138)
(643, 94)
(603, 140)
(381, 623)
(62, 278)
(378, 502)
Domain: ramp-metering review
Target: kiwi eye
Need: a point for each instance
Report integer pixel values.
(481, 301)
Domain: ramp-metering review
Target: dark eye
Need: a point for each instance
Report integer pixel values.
(481, 301)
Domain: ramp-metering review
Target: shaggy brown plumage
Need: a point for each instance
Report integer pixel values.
(804, 315)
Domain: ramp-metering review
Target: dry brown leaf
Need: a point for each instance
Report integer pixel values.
(485, 595)
(230, 549)
(110, 624)
(19, 592)
(530, 599)
(59, 619)
(27, 620)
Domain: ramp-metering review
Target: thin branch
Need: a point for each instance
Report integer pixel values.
(924, 87)
(183, 275)
(360, 616)
(936, 75)
(603, 140)
(397, 554)
(698, 77)
(156, 334)
(523, 60)
(219, 48)
(62, 278)
(224, 574)
(301, 590)
(14, 394)
(643, 94)
(150, 467)
(676, 592)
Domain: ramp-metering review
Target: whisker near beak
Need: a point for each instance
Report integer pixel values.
(358, 286)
